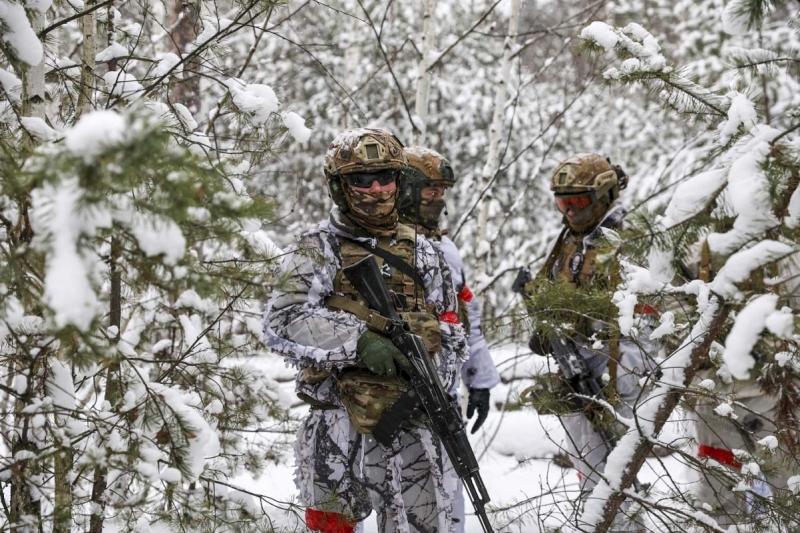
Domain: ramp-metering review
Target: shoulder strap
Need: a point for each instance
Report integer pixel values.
(394, 261)
(551, 259)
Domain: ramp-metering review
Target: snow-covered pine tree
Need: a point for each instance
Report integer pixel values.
(721, 262)
(133, 269)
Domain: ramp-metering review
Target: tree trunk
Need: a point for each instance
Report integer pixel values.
(184, 16)
(423, 75)
(33, 90)
(88, 53)
(495, 132)
(672, 396)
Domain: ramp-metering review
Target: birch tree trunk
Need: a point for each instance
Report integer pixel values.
(423, 75)
(23, 505)
(495, 132)
(33, 91)
(184, 16)
(88, 53)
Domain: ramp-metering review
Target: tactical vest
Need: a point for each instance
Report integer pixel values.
(407, 296)
(576, 262)
(573, 261)
(365, 395)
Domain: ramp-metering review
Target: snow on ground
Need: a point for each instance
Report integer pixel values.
(515, 449)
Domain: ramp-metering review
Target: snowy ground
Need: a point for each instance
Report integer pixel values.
(515, 449)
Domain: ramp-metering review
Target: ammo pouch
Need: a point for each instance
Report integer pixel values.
(366, 396)
(426, 325)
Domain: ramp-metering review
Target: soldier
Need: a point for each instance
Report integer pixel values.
(581, 269)
(757, 421)
(348, 373)
(421, 204)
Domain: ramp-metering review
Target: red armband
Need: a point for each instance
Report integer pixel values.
(720, 455)
(644, 309)
(466, 294)
(450, 317)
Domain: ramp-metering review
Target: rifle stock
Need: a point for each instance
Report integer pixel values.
(425, 391)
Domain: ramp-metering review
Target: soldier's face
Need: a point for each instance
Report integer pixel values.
(432, 192)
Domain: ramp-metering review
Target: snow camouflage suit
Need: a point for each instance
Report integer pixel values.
(339, 470)
(479, 372)
(585, 445)
(752, 419)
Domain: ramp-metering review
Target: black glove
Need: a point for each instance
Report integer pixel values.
(523, 277)
(478, 400)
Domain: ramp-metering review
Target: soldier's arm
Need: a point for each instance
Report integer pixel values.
(298, 325)
(440, 291)
(479, 371)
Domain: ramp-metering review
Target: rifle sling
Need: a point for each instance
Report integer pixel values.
(396, 262)
(374, 321)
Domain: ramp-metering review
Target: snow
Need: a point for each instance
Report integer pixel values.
(59, 225)
(297, 126)
(167, 62)
(11, 84)
(601, 33)
(39, 129)
(740, 265)
(257, 100)
(769, 442)
(666, 326)
(734, 18)
(122, 84)
(113, 51)
(95, 133)
(745, 333)
(707, 384)
(185, 116)
(749, 190)
(725, 409)
(794, 484)
(692, 196)
(158, 236)
(60, 386)
(17, 32)
(742, 112)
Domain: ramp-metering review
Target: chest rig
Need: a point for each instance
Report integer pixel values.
(573, 261)
(407, 295)
(366, 396)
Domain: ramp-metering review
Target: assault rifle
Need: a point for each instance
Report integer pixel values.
(425, 390)
(580, 379)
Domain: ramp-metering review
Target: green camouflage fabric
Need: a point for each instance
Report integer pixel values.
(367, 396)
(426, 326)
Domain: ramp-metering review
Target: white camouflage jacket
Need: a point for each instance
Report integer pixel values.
(299, 326)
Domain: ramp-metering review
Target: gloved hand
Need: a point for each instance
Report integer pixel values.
(380, 354)
(478, 400)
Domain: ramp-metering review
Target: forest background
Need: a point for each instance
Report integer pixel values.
(157, 156)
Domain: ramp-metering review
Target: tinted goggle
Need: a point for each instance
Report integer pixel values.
(574, 203)
(364, 179)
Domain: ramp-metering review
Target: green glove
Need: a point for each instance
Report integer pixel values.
(380, 354)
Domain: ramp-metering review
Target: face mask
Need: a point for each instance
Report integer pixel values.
(374, 212)
(429, 213)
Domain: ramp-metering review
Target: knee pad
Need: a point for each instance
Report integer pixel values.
(328, 522)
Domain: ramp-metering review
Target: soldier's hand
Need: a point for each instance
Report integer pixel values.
(522, 279)
(478, 401)
(380, 354)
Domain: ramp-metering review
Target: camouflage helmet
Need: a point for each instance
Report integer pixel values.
(425, 168)
(591, 176)
(361, 150)
(585, 173)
